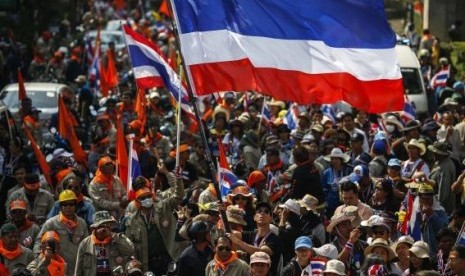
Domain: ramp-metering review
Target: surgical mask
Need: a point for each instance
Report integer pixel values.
(147, 203)
(390, 128)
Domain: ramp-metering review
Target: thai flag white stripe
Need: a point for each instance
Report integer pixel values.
(145, 71)
(203, 48)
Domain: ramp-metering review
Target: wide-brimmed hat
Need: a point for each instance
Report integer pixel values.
(420, 249)
(425, 189)
(391, 119)
(337, 153)
(235, 215)
(240, 190)
(336, 267)
(441, 148)
(349, 213)
(292, 205)
(102, 217)
(309, 202)
(414, 124)
(376, 221)
(417, 144)
(403, 239)
(281, 104)
(379, 242)
(432, 125)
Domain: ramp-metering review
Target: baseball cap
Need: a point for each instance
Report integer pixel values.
(260, 257)
(359, 172)
(303, 242)
(394, 162)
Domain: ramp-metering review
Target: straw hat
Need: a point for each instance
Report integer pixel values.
(420, 249)
(403, 239)
(337, 153)
(379, 242)
(292, 205)
(417, 144)
(350, 213)
(281, 104)
(309, 202)
(240, 190)
(336, 267)
(235, 215)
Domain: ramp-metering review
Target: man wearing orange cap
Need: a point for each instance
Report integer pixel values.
(99, 148)
(12, 254)
(39, 201)
(106, 128)
(103, 250)
(49, 262)
(153, 227)
(257, 182)
(71, 229)
(27, 229)
(106, 189)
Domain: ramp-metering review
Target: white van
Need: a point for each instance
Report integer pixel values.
(413, 80)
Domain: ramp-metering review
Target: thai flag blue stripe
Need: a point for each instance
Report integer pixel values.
(338, 23)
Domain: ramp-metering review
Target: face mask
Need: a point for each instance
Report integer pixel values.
(390, 128)
(147, 203)
(32, 187)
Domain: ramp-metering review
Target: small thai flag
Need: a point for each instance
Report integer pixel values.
(292, 116)
(328, 111)
(408, 114)
(226, 178)
(133, 168)
(440, 79)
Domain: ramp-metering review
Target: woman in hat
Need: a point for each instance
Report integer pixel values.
(235, 217)
(401, 247)
(244, 199)
(419, 258)
(381, 248)
(260, 264)
(331, 176)
(414, 163)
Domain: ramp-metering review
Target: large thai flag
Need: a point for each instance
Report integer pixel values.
(226, 178)
(440, 79)
(309, 51)
(151, 68)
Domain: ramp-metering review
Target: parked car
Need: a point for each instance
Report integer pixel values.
(44, 96)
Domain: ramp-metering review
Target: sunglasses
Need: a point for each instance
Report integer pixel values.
(67, 204)
(379, 232)
(240, 197)
(263, 211)
(224, 248)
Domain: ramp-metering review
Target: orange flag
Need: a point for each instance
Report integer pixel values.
(112, 73)
(104, 88)
(121, 154)
(39, 156)
(140, 105)
(21, 88)
(66, 124)
(164, 9)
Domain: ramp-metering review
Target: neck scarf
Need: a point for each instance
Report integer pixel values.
(101, 178)
(95, 240)
(212, 190)
(26, 225)
(56, 266)
(10, 254)
(223, 264)
(69, 223)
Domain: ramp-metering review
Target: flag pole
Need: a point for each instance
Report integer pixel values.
(193, 100)
(178, 129)
(129, 181)
(261, 117)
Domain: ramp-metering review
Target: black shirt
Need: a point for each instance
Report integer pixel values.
(193, 262)
(270, 240)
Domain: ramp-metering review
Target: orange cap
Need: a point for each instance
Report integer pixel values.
(62, 174)
(50, 235)
(135, 124)
(143, 191)
(183, 148)
(255, 177)
(18, 204)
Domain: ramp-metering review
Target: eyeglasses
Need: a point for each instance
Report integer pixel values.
(263, 211)
(67, 204)
(223, 248)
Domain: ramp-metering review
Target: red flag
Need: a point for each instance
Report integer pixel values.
(44, 167)
(408, 215)
(66, 124)
(164, 9)
(104, 88)
(119, 4)
(121, 154)
(21, 88)
(222, 155)
(140, 108)
(112, 73)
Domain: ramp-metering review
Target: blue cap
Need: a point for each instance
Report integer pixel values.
(458, 85)
(379, 147)
(394, 162)
(303, 241)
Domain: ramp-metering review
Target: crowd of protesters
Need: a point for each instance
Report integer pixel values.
(319, 193)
